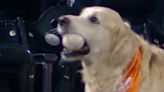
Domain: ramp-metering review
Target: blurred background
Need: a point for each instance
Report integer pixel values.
(30, 45)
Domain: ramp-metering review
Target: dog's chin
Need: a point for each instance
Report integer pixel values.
(71, 59)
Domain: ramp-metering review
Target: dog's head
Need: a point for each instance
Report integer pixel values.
(98, 26)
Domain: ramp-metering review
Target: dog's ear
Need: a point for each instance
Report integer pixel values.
(125, 47)
(126, 23)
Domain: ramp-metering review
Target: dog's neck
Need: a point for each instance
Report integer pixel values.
(95, 76)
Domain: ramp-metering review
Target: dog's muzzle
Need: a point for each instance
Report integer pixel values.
(63, 23)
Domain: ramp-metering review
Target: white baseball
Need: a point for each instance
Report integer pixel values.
(73, 41)
(52, 39)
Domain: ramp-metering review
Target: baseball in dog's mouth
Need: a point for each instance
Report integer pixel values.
(72, 53)
(74, 45)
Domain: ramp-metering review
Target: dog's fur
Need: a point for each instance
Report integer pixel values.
(112, 45)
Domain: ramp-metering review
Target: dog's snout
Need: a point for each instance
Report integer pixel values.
(63, 21)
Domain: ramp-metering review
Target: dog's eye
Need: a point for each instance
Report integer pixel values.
(94, 20)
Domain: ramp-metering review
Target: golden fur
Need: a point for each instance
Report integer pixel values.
(112, 45)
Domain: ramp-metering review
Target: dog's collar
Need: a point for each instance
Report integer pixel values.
(131, 74)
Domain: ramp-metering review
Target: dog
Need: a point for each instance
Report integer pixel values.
(114, 58)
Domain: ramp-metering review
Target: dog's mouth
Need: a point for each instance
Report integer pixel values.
(73, 53)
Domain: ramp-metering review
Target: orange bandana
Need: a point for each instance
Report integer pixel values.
(132, 74)
(134, 71)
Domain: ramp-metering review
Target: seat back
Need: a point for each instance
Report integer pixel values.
(16, 64)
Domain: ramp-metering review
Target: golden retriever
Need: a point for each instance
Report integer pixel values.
(110, 49)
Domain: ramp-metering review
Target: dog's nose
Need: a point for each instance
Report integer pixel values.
(63, 21)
